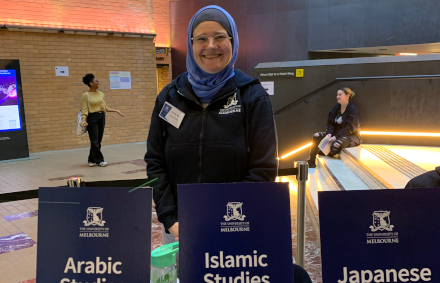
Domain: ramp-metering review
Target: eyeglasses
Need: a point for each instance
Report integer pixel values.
(203, 39)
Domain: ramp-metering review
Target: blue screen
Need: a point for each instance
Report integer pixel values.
(9, 104)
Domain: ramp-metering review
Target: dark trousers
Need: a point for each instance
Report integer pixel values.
(96, 124)
(342, 142)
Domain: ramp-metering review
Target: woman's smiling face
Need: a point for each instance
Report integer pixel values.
(212, 47)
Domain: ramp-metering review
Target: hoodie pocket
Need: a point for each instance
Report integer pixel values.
(183, 163)
(218, 163)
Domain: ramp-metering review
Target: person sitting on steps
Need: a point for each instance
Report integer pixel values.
(343, 126)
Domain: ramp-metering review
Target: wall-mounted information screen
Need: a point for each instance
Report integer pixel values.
(9, 103)
(13, 136)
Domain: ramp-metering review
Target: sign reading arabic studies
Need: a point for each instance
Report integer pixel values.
(99, 235)
(380, 235)
(238, 232)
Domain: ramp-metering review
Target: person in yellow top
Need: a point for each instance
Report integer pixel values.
(93, 110)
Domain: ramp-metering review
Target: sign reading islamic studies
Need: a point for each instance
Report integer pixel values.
(238, 232)
(98, 235)
(380, 236)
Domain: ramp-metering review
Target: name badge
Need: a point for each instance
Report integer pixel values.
(171, 114)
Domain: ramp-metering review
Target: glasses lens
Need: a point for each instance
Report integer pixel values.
(201, 39)
(220, 38)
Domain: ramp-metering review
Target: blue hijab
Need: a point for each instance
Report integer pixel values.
(207, 85)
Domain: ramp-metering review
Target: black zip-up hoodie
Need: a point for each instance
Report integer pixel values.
(351, 123)
(430, 179)
(233, 139)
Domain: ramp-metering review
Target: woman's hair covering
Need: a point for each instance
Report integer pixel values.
(215, 15)
(207, 85)
(88, 78)
(348, 91)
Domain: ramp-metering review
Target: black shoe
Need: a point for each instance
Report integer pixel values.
(311, 163)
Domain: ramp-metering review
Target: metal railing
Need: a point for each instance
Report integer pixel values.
(302, 177)
(301, 172)
(380, 78)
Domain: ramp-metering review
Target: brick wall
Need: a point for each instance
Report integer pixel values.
(51, 103)
(115, 15)
(163, 77)
(162, 22)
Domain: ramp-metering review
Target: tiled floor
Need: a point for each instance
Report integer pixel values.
(53, 168)
(18, 219)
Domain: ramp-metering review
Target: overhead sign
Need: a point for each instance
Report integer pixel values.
(380, 236)
(94, 235)
(237, 232)
(298, 73)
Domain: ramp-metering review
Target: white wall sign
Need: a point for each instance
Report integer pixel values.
(120, 80)
(62, 71)
(268, 86)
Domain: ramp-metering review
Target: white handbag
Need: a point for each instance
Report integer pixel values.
(80, 129)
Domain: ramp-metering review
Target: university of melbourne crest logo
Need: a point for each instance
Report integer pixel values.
(231, 106)
(234, 211)
(94, 217)
(232, 101)
(381, 221)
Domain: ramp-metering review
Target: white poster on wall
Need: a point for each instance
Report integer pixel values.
(268, 86)
(120, 80)
(62, 71)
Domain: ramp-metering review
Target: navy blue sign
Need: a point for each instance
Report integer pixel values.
(98, 235)
(380, 236)
(239, 233)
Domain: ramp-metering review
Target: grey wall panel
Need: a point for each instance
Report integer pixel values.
(365, 23)
(415, 105)
(318, 25)
(345, 26)
(318, 4)
(377, 14)
(289, 5)
(291, 38)
(256, 7)
(344, 2)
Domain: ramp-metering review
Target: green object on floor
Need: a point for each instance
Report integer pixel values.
(163, 264)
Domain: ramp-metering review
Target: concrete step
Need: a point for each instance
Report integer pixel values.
(338, 176)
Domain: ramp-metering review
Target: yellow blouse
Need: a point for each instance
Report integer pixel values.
(94, 103)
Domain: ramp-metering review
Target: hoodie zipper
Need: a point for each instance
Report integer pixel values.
(201, 146)
(204, 114)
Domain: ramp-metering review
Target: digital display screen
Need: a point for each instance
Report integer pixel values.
(9, 104)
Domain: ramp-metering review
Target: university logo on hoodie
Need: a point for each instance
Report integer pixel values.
(231, 106)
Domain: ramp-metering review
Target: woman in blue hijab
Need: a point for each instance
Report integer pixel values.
(227, 133)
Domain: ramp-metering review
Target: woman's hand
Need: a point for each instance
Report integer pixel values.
(117, 111)
(83, 122)
(332, 139)
(174, 230)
